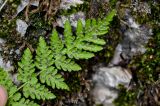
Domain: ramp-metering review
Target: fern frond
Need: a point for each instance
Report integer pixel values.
(53, 79)
(26, 68)
(61, 62)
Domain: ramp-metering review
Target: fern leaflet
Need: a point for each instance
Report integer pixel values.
(44, 61)
(27, 75)
(61, 60)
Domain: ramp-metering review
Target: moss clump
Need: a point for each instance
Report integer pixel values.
(7, 20)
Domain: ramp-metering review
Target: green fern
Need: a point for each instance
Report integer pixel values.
(58, 55)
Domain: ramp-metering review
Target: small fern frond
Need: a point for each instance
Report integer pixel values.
(26, 68)
(52, 78)
(61, 62)
(60, 54)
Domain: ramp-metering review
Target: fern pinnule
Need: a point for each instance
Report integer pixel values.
(37, 91)
(79, 30)
(26, 68)
(53, 79)
(61, 62)
(56, 44)
(23, 102)
(17, 100)
(68, 35)
(44, 56)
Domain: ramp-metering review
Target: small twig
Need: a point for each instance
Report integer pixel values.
(3, 5)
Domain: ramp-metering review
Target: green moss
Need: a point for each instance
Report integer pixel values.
(7, 20)
(126, 98)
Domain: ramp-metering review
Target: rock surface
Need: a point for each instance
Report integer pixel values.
(106, 81)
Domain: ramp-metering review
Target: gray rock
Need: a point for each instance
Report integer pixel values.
(21, 27)
(106, 81)
(24, 3)
(134, 40)
(5, 65)
(1, 2)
